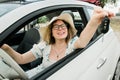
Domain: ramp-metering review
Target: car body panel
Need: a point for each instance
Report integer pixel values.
(84, 66)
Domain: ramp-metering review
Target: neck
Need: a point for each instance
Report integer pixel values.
(60, 43)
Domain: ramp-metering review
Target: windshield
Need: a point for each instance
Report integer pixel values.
(5, 8)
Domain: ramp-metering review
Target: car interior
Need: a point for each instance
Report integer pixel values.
(32, 36)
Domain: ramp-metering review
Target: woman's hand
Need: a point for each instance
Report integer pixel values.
(18, 57)
(88, 32)
(4, 47)
(99, 14)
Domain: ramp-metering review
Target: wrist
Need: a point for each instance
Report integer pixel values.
(5, 47)
(93, 23)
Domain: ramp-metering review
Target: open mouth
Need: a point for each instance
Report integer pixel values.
(60, 33)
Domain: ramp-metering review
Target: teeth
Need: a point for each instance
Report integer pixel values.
(61, 33)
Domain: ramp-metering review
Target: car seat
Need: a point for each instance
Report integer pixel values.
(32, 36)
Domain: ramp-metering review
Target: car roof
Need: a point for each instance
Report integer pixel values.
(28, 8)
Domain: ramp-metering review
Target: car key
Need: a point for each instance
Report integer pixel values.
(105, 25)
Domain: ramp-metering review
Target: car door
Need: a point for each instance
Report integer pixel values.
(73, 66)
(96, 62)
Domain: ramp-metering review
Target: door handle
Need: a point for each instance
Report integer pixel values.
(101, 62)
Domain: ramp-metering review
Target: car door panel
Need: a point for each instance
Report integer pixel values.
(108, 67)
(85, 66)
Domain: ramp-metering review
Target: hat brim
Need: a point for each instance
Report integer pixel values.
(65, 17)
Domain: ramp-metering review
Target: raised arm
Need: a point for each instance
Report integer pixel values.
(19, 58)
(91, 27)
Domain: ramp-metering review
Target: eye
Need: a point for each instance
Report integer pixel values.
(55, 26)
(63, 25)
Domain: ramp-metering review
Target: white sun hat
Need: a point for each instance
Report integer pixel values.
(65, 17)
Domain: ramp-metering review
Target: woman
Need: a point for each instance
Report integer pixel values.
(59, 40)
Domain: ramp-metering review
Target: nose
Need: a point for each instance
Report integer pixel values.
(59, 28)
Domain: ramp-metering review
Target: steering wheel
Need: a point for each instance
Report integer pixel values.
(10, 62)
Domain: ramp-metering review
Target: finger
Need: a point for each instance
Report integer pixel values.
(98, 9)
(111, 14)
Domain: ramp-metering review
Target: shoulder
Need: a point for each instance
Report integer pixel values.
(73, 39)
(42, 44)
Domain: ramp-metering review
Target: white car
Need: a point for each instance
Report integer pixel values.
(19, 28)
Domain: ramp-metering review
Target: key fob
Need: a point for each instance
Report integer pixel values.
(105, 25)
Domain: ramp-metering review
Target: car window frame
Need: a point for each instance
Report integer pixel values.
(59, 64)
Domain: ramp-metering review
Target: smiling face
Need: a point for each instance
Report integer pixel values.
(59, 30)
